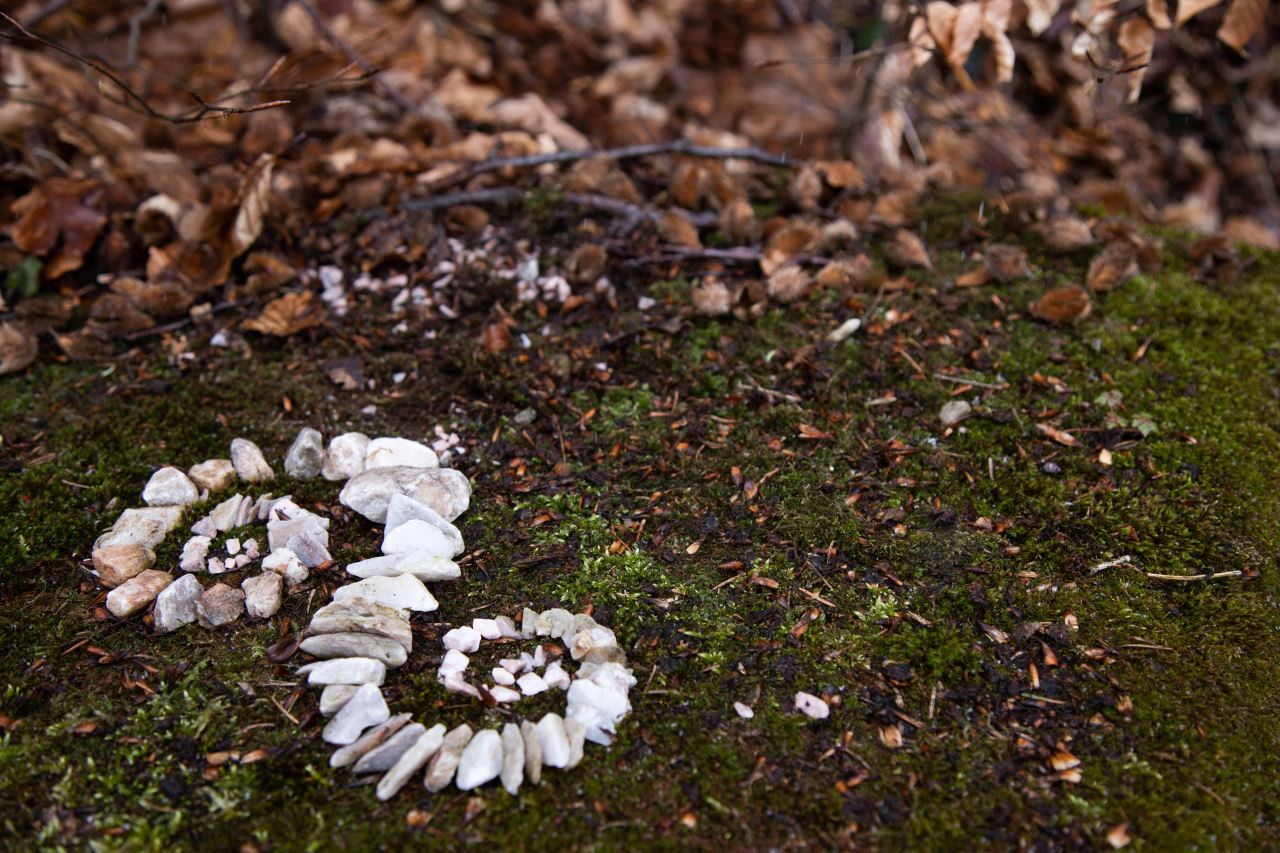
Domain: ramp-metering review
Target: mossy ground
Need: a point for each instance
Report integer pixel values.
(937, 583)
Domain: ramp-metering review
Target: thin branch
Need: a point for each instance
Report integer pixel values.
(676, 146)
(27, 38)
(634, 213)
(1205, 577)
(960, 380)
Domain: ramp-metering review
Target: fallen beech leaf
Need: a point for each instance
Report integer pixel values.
(1112, 267)
(1244, 18)
(495, 337)
(255, 196)
(59, 214)
(88, 727)
(281, 650)
(973, 278)
(677, 228)
(18, 347)
(288, 315)
(712, 299)
(891, 736)
(1064, 438)
(1066, 234)
(1063, 760)
(788, 283)
(1188, 9)
(1065, 304)
(586, 263)
(1006, 262)
(812, 433)
(906, 249)
(1137, 38)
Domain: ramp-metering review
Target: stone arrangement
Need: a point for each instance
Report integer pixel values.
(365, 630)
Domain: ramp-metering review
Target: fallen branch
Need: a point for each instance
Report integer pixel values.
(677, 146)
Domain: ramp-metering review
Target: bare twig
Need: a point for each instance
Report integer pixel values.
(960, 380)
(26, 37)
(1235, 573)
(627, 152)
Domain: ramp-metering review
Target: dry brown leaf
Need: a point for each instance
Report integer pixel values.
(841, 174)
(906, 249)
(1066, 234)
(267, 271)
(251, 212)
(1065, 304)
(975, 277)
(1113, 266)
(466, 219)
(1158, 12)
(1063, 760)
(1040, 14)
(1066, 439)
(586, 263)
(788, 283)
(1006, 262)
(891, 736)
(59, 213)
(495, 337)
(1244, 19)
(805, 188)
(738, 222)
(712, 299)
(165, 298)
(1188, 9)
(677, 228)
(1246, 229)
(1137, 38)
(813, 433)
(288, 315)
(859, 272)
(18, 347)
(118, 315)
(89, 343)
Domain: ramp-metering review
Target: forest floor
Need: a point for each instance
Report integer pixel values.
(755, 511)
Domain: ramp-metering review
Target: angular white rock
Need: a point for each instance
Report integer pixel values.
(505, 695)
(402, 508)
(401, 591)
(346, 755)
(462, 639)
(445, 490)
(345, 458)
(213, 475)
(528, 624)
(305, 456)
(251, 549)
(615, 676)
(413, 760)
(554, 741)
(399, 452)
(531, 684)
(426, 567)
(507, 627)
(811, 706)
(454, 663)
(334, 697)
(205, 527)
(364, 709)
(344, 671)
(194, 553)
(285, 563)
(176, 604)
(487, 628)
(170, 487)
(554, 622)
(363, 617)
(515, 666)
(225, 514)
(372, 646)
(583, 643)
(613, 704)
(145, 526)
(512, 758)
(251, 466)
(262, 594)
(445, 762)
(576, 732)
(501, 677)
(215, 566)
(137, 592)
(456, 684)
(555, 676)
(532, 752)
(598, 726)
(481, 761)
(416, 535)
(954, 412)
(384, 757)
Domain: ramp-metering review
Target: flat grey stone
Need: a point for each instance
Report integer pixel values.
(512, 758)
(382, 758)
(145, 526)
(372, 646)
(176, 604)
(365, 708)
(532, 752)
(306, 455)
(360, 616)
(335, 696)
(399, 453)
(425, 567)
(402, 591)
(344, 671)
(445, 763)
(445, 490)
(413, 760)
(194, 553)
(349, 754)
(402, 508)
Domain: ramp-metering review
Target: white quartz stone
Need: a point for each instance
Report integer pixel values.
(553, 622)
(487, 628)
(401, 591)
(344, 671)
(383, 757)
(611, 703)
(554, 741)
(402, 508)
(176, 604)
(426, 567)
(481, 761)
(502, 677)
(512, 758)
(251, 466)
(213, 475)
(442, 767)
(399, 452)
(145, 526)
(285, 563)
(365, 708)
(170, 487)
(555, 676)
(515, 666)
(743, 711)
(416, 535)
(505, 695)
(811, 706)
(576, 733)
(531, 684)
(345, 457)
(224, 515)
(463, 639)
(363, 617)
(445, 490)
(532, 752)
(137, 592)
(305, 456)
(413, 760)
(335, 696)
(262, 594)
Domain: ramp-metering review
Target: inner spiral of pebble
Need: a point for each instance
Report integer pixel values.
(365, 631)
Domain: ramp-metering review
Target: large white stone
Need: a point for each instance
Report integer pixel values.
(481, 761)
(532, 752)
(262, 594)
(344, 671)
(611, 703)
(424, 566)
(285, 563)
(364, 709)
(359, 616)
(145, 526)
(225, 514)
(512, 758)
(598, 726)
(416, 535)
(170, 487)
(335, 696)
(554, 622)
(811, 706)
(401, 591)
(281, 530)
(137, 592)
(454, 663)
(462, 639)
(402, 508)
(345, 457)
(355, 645)
(413, 760)
(531, 684)
(554, 741)
(251, 466)
(305, 456)
(440, 772)
(176, 604)
(383, 757)
(213, 475)
(576, 732)
(194, 552)
(445, 490)
(399, 453)
(346, 755)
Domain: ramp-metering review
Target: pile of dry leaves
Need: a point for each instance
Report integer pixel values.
(172, 160)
